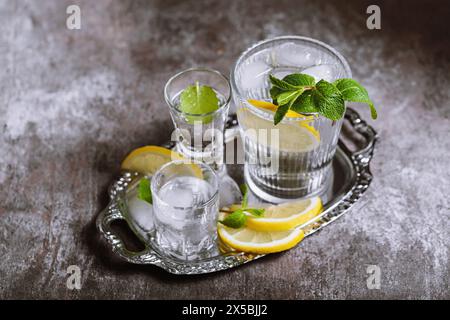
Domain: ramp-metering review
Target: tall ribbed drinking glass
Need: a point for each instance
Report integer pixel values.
(292, 159)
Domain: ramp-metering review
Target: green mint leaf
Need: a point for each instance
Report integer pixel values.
(235, 220)
(299, 92)
(294, 99)
(304, 103)
(280, 113)
(328, 100)
(299, 79)
(352, 91)
(287, 96)
(373, 111)
(255, 212)
(283, 85)
(199, 100)
(244, 190)
(274, 93)
(144, 191)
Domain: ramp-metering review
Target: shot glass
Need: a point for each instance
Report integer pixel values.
(185, 209)
(292, 159)
(199, 136)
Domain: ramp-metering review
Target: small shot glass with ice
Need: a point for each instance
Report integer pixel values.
(185, 210)
(198, 99)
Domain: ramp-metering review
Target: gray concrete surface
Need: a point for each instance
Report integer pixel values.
(73, 103)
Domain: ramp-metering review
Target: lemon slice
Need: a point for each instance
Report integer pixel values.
(248, 240)
(284, 216)
(272, 107)
(268, 106)
(311, 129)
(296, 136)
(149, 159)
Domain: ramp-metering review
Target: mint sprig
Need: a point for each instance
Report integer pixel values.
(328, 100)
(300, 93)
(235, 220)
(144, 191)
(353, 91)
(238, 218)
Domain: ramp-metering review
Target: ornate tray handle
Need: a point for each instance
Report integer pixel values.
(113, 212)
(365, 154)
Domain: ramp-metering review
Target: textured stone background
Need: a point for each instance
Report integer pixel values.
(73, 103)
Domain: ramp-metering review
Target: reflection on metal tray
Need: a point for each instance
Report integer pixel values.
(351, 177)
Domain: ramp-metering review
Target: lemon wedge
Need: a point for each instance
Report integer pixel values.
(261, 242)
(149, 159)
(285, 216)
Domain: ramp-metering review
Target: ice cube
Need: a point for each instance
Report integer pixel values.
(280, 74)
(324, 71)
(185, 191)
(294, 55)
(176, 194)
(254, 71)
(229, 192)
(141, 212)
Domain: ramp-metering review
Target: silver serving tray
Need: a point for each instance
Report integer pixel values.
(350, 177)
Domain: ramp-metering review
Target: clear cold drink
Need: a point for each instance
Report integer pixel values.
(292, 159)
(185, 214)
(199, 136)
(297, 166)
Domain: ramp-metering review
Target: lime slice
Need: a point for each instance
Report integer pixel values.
(198, 100)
